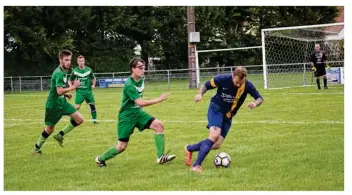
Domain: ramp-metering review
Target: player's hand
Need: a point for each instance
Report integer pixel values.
(75, 83)
(164, 97)
(252, 105)
(327, 67)
(68, 96)
(93, 86)
(314, 69)
(198, 97)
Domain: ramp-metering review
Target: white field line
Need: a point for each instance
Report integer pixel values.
(175, 92)
(41, 121)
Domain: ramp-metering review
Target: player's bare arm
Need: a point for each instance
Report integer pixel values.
(69, 82)
(143, 103)
(94, 82)
(255, 103)
(201, 92)
(62, 91)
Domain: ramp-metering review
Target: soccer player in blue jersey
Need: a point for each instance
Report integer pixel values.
(232, 90)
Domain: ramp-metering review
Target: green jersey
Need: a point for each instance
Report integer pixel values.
(58, 79)
(132, 90)
(84, 76)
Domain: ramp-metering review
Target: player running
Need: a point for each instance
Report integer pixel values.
(131, 116)
(56, 105)
(231, 93)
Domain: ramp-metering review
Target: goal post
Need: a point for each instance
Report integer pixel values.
(217, 50)
(286, 52)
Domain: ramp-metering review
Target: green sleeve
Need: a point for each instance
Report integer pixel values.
(59, 80)
(91, 75)
(132, 93)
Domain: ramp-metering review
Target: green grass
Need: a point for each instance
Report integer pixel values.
(294, 141)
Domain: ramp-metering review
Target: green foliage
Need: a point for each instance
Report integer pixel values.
(34, 35)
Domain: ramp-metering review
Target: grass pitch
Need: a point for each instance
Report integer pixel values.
(294, 141)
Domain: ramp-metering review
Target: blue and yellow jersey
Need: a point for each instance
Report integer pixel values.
(228, 96)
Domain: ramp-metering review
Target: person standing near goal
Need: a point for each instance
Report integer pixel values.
(131, 116)
(56, 104)
(231, 93)
(318, 59)
(84, 91)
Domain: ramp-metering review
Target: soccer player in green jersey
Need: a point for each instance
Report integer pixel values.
(84, 91)
(131, 115)
(56, 105)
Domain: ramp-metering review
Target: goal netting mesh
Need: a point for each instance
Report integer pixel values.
(287, 50)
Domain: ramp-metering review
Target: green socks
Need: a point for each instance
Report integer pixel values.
(110, 153)
(159, 144)
(71, 125)
(41, 140)
(94, 115)
(68, 128)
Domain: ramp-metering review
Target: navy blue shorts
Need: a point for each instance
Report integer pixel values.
(218, 119)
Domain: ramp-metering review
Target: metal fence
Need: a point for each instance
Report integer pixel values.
(161, 79)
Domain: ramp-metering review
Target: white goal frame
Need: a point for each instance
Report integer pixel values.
(338, 36)
(217, 50)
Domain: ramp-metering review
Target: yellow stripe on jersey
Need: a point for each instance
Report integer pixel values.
(212, 83)
(238, 95)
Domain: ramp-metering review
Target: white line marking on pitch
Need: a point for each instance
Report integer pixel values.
(40, 121)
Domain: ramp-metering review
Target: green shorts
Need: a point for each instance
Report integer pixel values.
(53, 115)
(84, 96)
(128, 121)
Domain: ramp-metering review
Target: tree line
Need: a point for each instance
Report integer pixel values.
(108, 35)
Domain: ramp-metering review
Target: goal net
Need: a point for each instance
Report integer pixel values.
(286, 52)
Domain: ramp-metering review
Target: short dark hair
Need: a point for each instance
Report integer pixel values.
(134, 61)
(241, 72)
(80, 56)
(64, 53)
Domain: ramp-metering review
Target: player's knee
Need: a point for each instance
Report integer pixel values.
(214, 137)
(216, 146)
(214, 133)
(49, 129)
(77, 121)
(81, 120)
(92, 107)
(78, 118)
(121, 149)
(159, 127)
(121, 146)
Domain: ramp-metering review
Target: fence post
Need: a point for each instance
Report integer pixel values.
(304, 74)
(113, 75)
(41, 83)
(11, 86)
(231, 69)
(168, 78)
(20, 84)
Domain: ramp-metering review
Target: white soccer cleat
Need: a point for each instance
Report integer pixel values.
(165, 158)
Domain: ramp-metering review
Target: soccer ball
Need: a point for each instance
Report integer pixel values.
(222, 159)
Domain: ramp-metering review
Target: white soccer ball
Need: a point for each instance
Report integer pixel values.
(222, 159)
